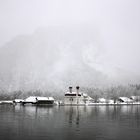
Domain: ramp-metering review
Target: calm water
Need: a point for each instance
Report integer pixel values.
(69, 123)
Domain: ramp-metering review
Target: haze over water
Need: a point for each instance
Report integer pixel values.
(70, 122)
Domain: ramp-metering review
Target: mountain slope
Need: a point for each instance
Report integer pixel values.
(52, 59)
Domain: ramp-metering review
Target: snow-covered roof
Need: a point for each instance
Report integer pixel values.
(45, 98)
(34, 98)
(87, 96)
(110, 101)
(102, 100)
(84, 94)
(31, 99)
(71, 92)
(18, 100)
(125, 99)
(135, 97)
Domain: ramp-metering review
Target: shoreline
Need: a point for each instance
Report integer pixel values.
(90, 104)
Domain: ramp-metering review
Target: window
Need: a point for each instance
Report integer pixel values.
(71, 99)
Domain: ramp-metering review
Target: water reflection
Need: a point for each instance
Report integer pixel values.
(119, 114)
(69, 122)
(74, 114)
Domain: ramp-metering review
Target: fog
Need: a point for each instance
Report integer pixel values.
(50, 45)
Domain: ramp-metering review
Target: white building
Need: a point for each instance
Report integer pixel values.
(135, 98)
(76, 98)
(125, 100)
(102, 100)
(39, 100)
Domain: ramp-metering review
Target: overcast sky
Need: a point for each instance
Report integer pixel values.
(116, 21)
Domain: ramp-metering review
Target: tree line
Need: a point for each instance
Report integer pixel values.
(112, 92)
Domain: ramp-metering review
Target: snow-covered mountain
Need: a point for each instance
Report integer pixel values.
(51, 59)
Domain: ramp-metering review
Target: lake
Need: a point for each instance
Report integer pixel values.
(70, 122)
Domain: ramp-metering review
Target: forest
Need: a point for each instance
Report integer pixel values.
(112, 92)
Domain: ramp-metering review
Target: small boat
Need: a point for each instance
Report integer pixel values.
(36, 100)
(76, 98)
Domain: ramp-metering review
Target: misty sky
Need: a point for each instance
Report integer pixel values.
(115, 22)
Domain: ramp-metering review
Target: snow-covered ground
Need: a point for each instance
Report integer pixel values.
(6, 102)
(134, 103)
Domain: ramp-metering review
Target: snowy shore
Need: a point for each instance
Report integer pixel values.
(89, 104)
